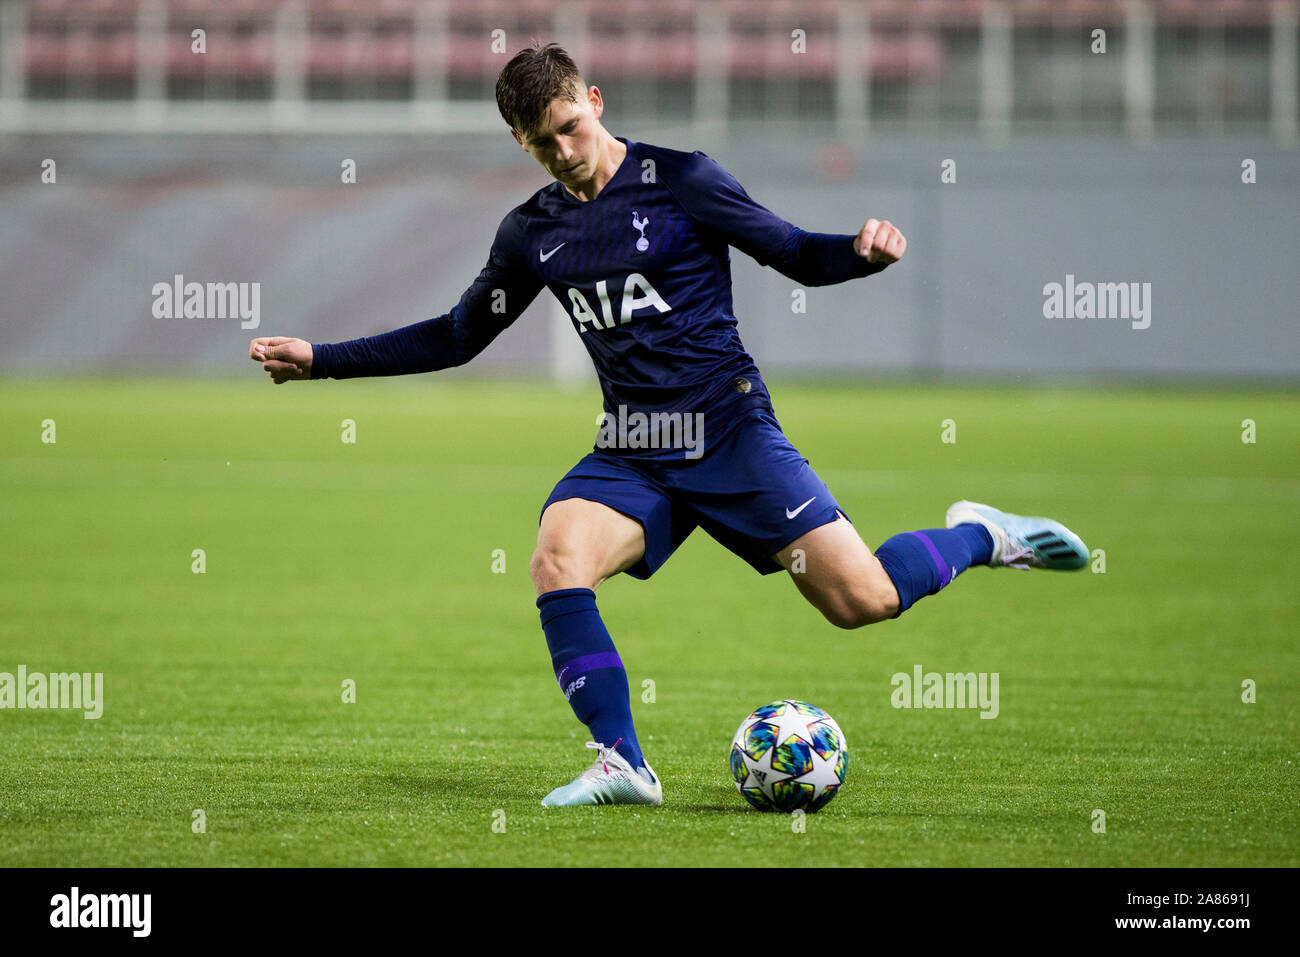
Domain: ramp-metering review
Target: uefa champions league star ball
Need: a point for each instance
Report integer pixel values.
(789, 756)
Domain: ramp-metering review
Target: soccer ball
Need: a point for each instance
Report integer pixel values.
(789, 756)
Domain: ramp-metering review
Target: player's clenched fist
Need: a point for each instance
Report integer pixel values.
(880, 242)
(282, 358)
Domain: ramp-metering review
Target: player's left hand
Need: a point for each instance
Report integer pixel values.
(880, 242)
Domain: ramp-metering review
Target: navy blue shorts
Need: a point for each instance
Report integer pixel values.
(751, 490)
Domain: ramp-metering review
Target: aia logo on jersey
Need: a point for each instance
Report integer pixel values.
(637, 294)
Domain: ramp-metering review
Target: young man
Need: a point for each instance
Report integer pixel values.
(633, 239)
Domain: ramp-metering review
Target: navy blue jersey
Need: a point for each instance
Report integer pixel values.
(645, 275)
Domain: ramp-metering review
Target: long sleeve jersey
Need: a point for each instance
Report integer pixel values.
(644, 272)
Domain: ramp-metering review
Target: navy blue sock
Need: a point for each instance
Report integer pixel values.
(590, 673)
(921, 563)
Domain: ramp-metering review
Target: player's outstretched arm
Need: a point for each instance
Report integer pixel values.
(879, 241)
(284, 359)
(503, 290)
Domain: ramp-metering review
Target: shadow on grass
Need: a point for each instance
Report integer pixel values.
(740, 808)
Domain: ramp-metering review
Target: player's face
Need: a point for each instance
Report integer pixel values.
(567, 141)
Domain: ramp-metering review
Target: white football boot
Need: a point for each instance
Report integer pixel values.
(609, 780)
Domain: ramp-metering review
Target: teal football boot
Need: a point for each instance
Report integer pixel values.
(1021, 542)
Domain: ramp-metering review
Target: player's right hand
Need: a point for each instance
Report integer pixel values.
(283, 358)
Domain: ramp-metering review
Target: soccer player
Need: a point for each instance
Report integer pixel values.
(633, 240)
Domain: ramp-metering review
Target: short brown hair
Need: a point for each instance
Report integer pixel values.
(533, 78)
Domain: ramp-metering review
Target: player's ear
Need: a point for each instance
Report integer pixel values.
(518, 139)
(597, 103)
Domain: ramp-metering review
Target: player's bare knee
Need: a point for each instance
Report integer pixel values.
(839, 616)
(552, 568)
(848, 616)
(875, 599)
(559, 563)
(854, 608)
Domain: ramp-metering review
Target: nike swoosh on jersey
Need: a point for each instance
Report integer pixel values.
(790, 514)
(545, 256)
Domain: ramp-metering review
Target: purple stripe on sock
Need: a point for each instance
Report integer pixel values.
(945, 573)
(580, 666)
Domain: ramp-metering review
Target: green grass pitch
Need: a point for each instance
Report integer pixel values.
(372, 561)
